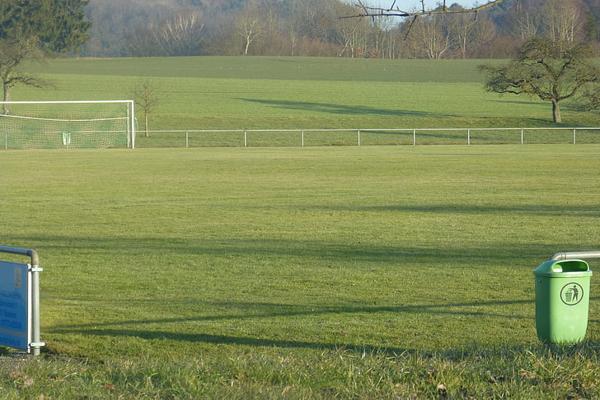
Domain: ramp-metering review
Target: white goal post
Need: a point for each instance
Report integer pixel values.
(67, 124)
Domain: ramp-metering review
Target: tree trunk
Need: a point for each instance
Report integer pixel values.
(5, 97)
(248, 41)
(556, 112)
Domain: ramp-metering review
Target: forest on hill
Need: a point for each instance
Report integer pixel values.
(314, 28)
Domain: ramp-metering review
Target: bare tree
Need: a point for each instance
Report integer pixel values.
(562, 21)
(180, 35)
(144, 94)
(461, 28)
(429, 37)
(249, 25)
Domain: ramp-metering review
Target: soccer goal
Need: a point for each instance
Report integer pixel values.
(67, 124)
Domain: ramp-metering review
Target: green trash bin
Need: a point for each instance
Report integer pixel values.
(562, 299)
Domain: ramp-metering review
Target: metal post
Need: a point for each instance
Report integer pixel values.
(35, 309)
(187, 140)
(522, 136)
(414, 137)
(358, 135)
(245, 138)
(468, 137)
(302, 138)
(574, 135)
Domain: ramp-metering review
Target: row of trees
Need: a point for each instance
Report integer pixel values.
(314, 28)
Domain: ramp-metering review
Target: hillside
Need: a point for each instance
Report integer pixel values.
(313, 28)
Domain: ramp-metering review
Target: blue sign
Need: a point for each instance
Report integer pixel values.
(14, 305)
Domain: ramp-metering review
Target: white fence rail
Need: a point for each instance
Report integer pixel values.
(367, 136)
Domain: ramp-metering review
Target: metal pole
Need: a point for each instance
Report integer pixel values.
(187, 140)
(35, 309)
(468, 137)
(245, 138)
(132, 125)
(522, 136)
(358, 135)
(35, 293)
(414, 137)
(574, 135)
(302, 138)
(575, 254)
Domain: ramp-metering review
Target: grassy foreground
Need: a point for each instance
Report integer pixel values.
(374, 272)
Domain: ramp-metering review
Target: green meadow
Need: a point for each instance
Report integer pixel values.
(298, 93)
(324, 272)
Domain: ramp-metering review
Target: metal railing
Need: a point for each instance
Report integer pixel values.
(465, 136)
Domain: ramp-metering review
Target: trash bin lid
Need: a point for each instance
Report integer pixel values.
(564, 268)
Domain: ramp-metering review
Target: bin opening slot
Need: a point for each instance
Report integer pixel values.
(570, 266)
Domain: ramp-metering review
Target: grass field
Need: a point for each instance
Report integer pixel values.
(374, 272)
(296, 93)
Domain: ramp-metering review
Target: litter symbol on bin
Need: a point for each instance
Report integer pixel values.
(571, 294)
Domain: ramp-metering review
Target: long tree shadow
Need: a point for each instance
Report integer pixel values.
(523, 209)
(118, 330)
(342, 109)
(270, 310)
(390, 255)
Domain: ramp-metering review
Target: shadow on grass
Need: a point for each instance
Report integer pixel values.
(270, 310)
(341, 109)
(275, 311)
(391, 255)
(526, 209)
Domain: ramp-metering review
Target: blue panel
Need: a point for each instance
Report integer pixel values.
(13, 305)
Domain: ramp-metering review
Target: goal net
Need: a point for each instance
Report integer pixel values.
(67, 124)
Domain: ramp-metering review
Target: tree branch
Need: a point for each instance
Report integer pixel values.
(395, 11)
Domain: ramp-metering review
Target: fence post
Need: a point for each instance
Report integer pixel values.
(414, 137)
(358, 136)
(468, 137)
(245, 138)
(574, 135)
(522, 136)
(187, 140)
(302, 138)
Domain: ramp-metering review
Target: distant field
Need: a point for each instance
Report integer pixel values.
(374, 272)
(238, 93)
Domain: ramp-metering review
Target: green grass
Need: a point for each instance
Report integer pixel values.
(374, 272)
(238, 93)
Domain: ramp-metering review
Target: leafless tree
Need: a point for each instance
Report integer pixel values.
(431, 36)
(146, 98)
(562, 21)
(180, 35)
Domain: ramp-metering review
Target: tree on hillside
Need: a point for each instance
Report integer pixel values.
(35, 29)
(551, 71)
